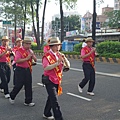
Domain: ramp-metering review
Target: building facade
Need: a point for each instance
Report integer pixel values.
(116, 4)
(100, 19)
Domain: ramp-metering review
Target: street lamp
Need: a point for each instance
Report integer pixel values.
(94, 21)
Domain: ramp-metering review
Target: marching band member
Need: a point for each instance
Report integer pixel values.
(53, 66)
(88, 57)
(18, 45)
(23, 73)
(5, 65)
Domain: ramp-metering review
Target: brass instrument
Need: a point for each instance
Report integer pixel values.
(65, 63)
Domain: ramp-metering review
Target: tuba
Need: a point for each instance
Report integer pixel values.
(66, 63)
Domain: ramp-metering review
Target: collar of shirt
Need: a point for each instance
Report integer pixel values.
(54, 54)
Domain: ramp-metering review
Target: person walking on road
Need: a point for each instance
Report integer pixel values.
(23, 73)
(5, 64)
(53, 66)
(88, 56)
(18, 45)
(84, 43)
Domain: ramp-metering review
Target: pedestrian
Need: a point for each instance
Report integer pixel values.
(84, 43)
(46, 47)
(5, 64)
(18, 45)
(88, 56)
(52, 63)
(23, 73)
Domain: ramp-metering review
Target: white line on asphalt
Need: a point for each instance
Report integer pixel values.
(99, 73)
(40, 84)
(74, 95)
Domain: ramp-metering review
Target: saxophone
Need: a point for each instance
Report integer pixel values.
(66, 63)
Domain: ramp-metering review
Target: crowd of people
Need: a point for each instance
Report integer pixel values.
(54, 64)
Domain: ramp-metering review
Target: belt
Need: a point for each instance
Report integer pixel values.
(3, 63)
(86, 61)
(21, 68)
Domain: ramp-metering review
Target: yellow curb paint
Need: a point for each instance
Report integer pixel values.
(118, 60)
(111, 60)
(97, 59)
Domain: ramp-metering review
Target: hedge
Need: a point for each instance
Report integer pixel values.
(78, 47)
(108, 47)
(34, 46)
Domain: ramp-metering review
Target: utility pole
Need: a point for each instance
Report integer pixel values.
(94, 22)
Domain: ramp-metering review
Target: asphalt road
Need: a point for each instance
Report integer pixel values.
(104, 105)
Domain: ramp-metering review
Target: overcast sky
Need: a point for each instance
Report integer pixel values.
(82, 7)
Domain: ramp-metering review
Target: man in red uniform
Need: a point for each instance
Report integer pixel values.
(18, 45)
(5, 71)
(88, 56)
(23, 73)
(53, 65)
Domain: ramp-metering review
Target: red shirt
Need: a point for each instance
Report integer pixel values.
(46, 48)
(5, 57)
(20, 56)
(83, 52)
(51, 73)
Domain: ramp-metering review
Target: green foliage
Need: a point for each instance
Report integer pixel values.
(109, 49)
(73, 21)
(78, 47)
(114, 19)
(34, 46)
(71, 53)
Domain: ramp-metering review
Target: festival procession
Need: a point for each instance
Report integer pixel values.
(20, 58)
(60, 60)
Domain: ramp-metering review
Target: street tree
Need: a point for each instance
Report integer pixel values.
(70, 23)
(113, 19)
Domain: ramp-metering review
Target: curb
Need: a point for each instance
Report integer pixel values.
(97, 59)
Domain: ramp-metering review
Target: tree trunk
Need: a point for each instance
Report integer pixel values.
(35, 33)
(43, 20)
(15, 27)
(23, 32)
(37, 20)
(62, 21)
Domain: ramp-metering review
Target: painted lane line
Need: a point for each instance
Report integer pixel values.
(99, 73)
(78, 96)
(40, 84)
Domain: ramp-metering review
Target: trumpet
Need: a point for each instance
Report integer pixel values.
(66, 63)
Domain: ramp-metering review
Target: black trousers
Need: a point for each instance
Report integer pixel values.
(5, 73)
(52, 102)
(89, 74)
(14, 68)
(23, 77)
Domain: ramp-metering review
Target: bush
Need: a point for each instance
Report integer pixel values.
(34, 46)
(78, 47)
(71, 53)
(108, 47)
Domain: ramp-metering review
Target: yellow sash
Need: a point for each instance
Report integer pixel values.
(51, 59)
(7, 54)
(90, 57)
(25, 54)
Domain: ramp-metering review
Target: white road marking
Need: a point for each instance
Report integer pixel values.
(78, 96)
(40, 84)
(99, 73)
